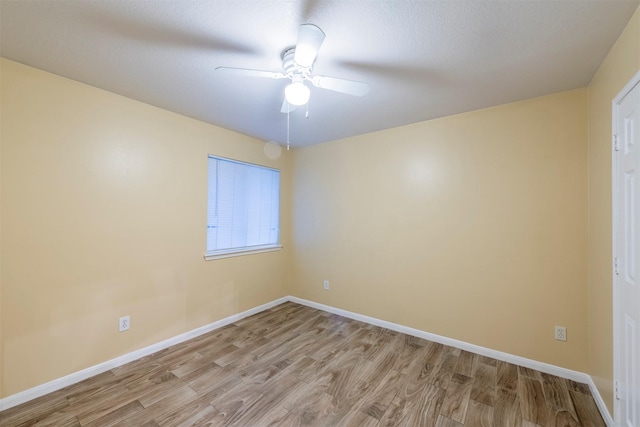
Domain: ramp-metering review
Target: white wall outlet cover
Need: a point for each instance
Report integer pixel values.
(124, 323)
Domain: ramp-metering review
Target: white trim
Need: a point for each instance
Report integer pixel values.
(604, 411)
(614, 253)
(228, 253)
(614, 232)
(627, 88)
(54, 385)
(57, 384)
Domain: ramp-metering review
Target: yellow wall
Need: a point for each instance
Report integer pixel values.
(622, 62)
(104, 215)
(472, 226)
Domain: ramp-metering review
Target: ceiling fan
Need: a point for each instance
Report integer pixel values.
(297, 63)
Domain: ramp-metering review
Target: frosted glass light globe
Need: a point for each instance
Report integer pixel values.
(297, 93)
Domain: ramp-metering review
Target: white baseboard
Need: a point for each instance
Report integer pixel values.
(506, 357)
(41, 390)
(57, 384)
(604, 411)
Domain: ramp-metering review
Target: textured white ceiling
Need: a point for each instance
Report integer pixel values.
(422, 59)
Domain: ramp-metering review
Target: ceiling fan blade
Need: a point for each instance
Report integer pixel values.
(350, 87)
(310, 39)
(250, 73)
(286, 107)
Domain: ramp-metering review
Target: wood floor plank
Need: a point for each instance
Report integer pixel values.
(382, 396)
(157, 391)
(260, 375)
(179, 354)
(443, 371)
(276, 417)
(446, 422)
(317, 365)
(587, 410)
(350, 390)
(506, 411)
(532, 401)
(151, 381)
(372, 372)
(434, 352)
(415, 380)
(310, 405)
(293, 365)
(118, 415)
(212, 419)
(397, 414)
(427, 406)
(205, 370)
(465, 363)
(301, 346)
(189, 365)
(358, 418)
(130, 379)
(223, 354)
(101, 403)
(177, 398)
(407, 351)
(342, 325)
(456, 402)
(32, 412)
(232, 404)
(484, 384)
(527, 372)
(507, 376)
(58, 419)
(86, 388)
(188, 415)
(377, 339)
(220, 337)
(278, 394)
(561, 409)
(337, 374)
(562, 418)
(330, 346)
(486, 360)
(579, 387)
(479, 415)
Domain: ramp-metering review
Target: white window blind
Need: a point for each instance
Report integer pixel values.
(243, 209)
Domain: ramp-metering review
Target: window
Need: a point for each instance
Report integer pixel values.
(243, 209)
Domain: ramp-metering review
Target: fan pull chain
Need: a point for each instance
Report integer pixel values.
(288, 111)
(306, 116)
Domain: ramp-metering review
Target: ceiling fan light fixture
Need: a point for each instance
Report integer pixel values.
(297, 93)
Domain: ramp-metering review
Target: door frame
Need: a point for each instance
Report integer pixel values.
(635, 80)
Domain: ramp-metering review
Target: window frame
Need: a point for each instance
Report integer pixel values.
(244, 250)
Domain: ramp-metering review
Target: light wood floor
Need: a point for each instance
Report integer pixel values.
(294, 365)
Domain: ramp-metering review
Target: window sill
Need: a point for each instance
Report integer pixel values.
(240, 251)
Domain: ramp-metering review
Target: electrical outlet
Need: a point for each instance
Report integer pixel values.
(124, 323)
(561, 333)
(326, 285)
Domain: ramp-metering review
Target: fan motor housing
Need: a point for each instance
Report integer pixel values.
(290, 67)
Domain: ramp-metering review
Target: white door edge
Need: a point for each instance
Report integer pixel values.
(635, 80)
